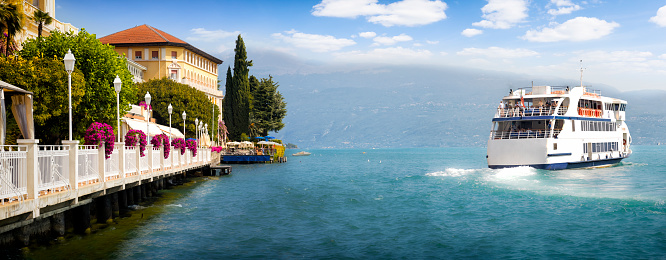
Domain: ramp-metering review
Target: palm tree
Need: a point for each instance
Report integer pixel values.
(11, 18)
(42, 18)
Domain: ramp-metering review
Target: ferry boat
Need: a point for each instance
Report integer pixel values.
(555, 128)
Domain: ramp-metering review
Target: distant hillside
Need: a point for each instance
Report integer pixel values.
(417, 107)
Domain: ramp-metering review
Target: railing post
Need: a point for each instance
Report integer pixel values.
(138, 160)
(162, 169)
(73, 165)
(121, 160)
(32, 151)
(101, 159)
(149, 157)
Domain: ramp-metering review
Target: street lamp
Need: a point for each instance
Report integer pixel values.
(184, 115)
(117, 84)
(196, 128)
(69, 67)
(170, 109)
(147, 98)
(200, 128)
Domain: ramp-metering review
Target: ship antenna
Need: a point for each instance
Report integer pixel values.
(581, 73)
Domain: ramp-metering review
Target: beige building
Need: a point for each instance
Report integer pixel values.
(163, 55)
(30, 26)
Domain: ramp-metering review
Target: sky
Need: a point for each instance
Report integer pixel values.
(621, 43)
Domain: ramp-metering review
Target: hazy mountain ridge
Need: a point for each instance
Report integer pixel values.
(417, 107)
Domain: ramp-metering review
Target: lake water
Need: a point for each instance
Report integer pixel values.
(414, 203)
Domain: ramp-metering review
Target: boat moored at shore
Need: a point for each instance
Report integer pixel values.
(558, 128)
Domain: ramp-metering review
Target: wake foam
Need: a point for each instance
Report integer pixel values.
(452, 172)
(515, 173)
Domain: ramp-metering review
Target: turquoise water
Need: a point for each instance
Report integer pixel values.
(415, 203)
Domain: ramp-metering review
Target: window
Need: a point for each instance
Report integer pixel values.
(174, 55)
(137, 55)
(554, 146)
(155, 55)
(174, 75)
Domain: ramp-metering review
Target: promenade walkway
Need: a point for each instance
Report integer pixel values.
(41, 180)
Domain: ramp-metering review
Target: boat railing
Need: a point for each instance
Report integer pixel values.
(540, 90)
(524, 134)
(531, 111)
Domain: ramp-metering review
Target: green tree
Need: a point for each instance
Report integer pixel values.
(227, 105)
(41, 18)
(47, 79)
(269, 107)
(239, 94)
(11, 23)
(182, 97)
(99, 64)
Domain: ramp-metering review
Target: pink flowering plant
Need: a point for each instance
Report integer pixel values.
(216, 149)
(98, 133)
(179, 143)
(134, 137)
(145, 106)
(163, 140)
(192, 146)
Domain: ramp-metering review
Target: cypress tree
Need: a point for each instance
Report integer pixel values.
(241, 86)
(228, 106)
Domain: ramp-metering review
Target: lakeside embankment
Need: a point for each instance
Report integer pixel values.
(104, 238)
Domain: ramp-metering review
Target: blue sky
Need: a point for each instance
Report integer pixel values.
(622, 43)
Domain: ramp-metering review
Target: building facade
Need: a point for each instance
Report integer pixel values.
(30, 27)
(163, 55)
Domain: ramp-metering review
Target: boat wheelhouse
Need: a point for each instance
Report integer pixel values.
(550, 127)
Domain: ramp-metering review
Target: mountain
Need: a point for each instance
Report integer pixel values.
(400, 106)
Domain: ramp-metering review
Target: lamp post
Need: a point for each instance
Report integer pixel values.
(69, 67)
(206, 128)
(200, 128)
(147, 98)
(117, 84)
(184, 115)
(170, 109)
(196, 128)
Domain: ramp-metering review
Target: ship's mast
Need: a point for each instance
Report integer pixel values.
(581, 73)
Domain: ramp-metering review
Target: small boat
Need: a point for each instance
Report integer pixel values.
(301, 153)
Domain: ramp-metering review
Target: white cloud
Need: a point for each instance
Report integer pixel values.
(575, 30)
(498, 52)
(432, 42)
(401, 13)
(663, 56)
(392, 54)
(563, 7)
(383, 40)
(367, 35)
(502, 14)
(201, 34)
(314, 42)
(469, 32)
(660, 18)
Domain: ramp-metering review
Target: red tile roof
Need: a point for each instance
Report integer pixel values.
(146, 35)
(140, 34)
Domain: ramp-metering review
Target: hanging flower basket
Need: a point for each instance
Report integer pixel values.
(162, 140)
(179, 143)
(98, 133)
(192, 146)
(134, 137)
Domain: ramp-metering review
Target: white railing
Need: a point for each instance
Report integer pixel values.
(523, 134)
(111, 169)
(143, 162)
(531, 111)
(157, 155)
(130, 160)
(168, 162)
(88, 164)
(53, 165)
(13, 172)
